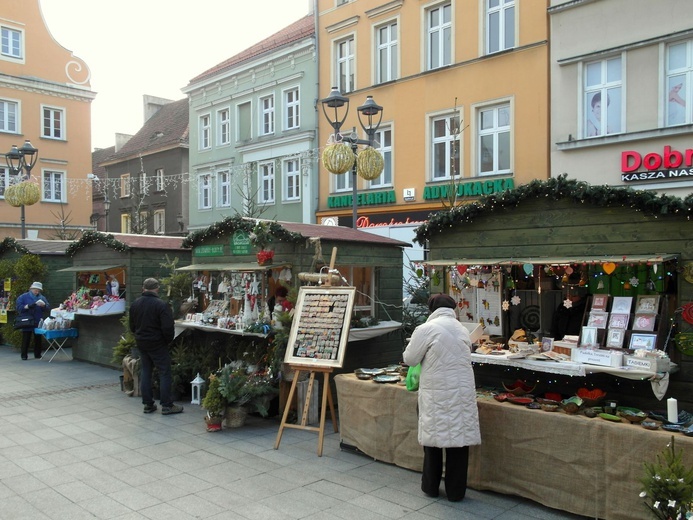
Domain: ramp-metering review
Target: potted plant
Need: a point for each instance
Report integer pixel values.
(244, 392)
(215, 404)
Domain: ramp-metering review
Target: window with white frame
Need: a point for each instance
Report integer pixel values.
(439, 36)
(494, 154)
(224, 189)
(343, 182)
(445, 147)
(143, 184)
(125, 223)
(292, 118)
(266, 182)
(53, 185)
(345, 66)
(8, 116)
(383, 138)
(125, 185)
(142, 222)
(223, 126)
(267, 115)
(292, 180)
(53, 123)
(4, 180)
(500, 25)
(679, 95)
(205, 131)
(10, 42)
(159, 220)
(160, 181)
(204, 188)
(386, 49)
(602, 100)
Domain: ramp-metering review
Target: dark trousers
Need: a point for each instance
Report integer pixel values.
(26, 339)
(456, 460)
(160, 358)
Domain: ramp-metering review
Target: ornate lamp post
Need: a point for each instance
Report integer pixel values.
(98, 216)
(367, 114)
(21, 161)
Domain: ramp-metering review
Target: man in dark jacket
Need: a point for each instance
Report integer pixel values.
(151, 321)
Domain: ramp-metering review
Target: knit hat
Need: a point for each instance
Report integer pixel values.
(150, 284)
(37, 285)
(441, 300)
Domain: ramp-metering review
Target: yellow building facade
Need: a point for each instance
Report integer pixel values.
(45, 98)
(464, 88)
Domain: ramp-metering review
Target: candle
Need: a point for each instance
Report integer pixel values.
(672, 410)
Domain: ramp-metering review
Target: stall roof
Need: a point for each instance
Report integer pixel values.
(89, 268)
(340, 233)
(149, 241)
(562, 260)
(247, 266)
(45, 247)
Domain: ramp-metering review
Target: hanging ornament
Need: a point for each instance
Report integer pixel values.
(687, 312)
(528, 268)
(567, 303)
(505, 305)
(510, 283)
(565, 278)
(461, 269)
(600, 285)
(634, 281)
(654, 268)
(650, 285)
(609, 267)
(568, 270)
(515, 300)
(626, 285)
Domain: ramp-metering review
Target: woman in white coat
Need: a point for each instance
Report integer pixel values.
(448, 414)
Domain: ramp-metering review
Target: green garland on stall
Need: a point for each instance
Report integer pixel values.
(557, 188)
(10, 244)
(96, 237)
(228, 225)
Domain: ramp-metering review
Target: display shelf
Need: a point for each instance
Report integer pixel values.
(182, 324)
(108, 308)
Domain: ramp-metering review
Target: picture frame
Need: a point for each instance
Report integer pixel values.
(599, 302)
(644, 322)
(546, 344)
(619, 321)
(643, 341)
(598, 319)
(647, 304)
(588, 337)
(622, 304)
(615, 337)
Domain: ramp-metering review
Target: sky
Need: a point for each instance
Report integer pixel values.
(155, 47)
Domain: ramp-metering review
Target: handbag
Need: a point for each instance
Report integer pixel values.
(412, 379)
(23, 322)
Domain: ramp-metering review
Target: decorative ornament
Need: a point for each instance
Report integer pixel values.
(634, 281)
(461, 269)
(515, 300)
(626, 286)
(688, 272)
(510, 283)
(567, 303)
(338, 158)
(528, 268)
(505, 305)
(654, 268)
(609, 267)
(369, 164)
(24, 193)
(568, 270)
(565, 278)
(600, 285)
(687, 312)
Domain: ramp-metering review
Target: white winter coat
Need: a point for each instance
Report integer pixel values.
(448, 414)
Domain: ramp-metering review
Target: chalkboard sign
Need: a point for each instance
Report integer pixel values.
(320, 328)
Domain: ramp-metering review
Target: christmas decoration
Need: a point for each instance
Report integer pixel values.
(515, 300)
(505, 305)
(95, 237)
(567, 303)
(338, 158)
(228, 225)
(369, 164)
(668, 485)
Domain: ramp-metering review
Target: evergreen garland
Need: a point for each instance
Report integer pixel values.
(557, 188)
(229, 225)
(10, 244)
(96, 237)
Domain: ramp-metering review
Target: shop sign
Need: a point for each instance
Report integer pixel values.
(210, 250)
(468, 189)
(671, 164)
(240, 243)
(376, 198)
(366, 222)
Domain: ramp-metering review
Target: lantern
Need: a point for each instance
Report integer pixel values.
(196, 385)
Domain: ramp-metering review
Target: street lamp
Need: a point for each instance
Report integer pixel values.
(95, 217)
(367, 114)
(21, 161)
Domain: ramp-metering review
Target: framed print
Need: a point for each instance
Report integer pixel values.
(546, 344)
(647, 304)
(622, 304)
(644, 322)
(599, 302)
(598, 319)
(619, 321)
(588, 338)
(614, 338)
(320, 328)
(643, 341)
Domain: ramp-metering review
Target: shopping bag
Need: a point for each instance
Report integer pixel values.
(23, 322)
(412, 379)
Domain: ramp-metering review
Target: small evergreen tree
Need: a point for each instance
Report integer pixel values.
(668, 485)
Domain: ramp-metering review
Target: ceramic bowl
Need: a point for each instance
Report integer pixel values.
(549, 407)
(572, 404)
(519, 388)
(650, 425)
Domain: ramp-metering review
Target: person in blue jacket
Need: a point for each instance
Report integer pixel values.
(32, 303)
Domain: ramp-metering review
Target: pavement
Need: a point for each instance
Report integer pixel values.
(73, 446)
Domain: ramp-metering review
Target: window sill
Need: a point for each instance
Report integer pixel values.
(642, 135)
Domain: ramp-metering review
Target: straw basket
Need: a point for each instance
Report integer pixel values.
(235, 416)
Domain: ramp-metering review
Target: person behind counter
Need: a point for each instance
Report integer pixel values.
(32, 303)
(448, 413)
(567, 320)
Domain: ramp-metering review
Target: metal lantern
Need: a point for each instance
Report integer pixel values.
(369, 164)
(196, 385)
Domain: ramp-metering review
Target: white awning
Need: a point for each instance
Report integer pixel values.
(562, 260)
(89, 268)
(247, 266)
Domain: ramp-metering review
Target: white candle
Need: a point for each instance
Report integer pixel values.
(672, 410)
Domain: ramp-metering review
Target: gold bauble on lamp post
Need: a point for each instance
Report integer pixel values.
(21, 161)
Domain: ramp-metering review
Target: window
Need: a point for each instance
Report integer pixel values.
(224, 186)
(4, 180)
(679, 76)
(386, 53)
(439, 36)
(363, 278)
(8, 116)
(292, 109)
(10, 42)
(223, 127)
(53, 186)
(500, 25)
(345, 65)
(125, 222)
(266, 182)
(53, 123)
(446, 147)
(142, 223)
(205, 130)
(343, 182)
(292, 180)
(160, 221)
(383, 144)
(245, 129)
(125, 185)
(267, 115)
(602, 102)
(143, 186)
(205, 192)
(160, 182)
(494, 140)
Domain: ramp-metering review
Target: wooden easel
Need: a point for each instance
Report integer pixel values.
(326, 398)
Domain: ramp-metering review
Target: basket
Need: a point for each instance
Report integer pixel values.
(235, 416)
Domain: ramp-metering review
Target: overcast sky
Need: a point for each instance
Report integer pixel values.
(155, 47)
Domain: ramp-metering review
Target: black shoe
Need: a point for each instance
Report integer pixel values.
(168, 410)
(149, 408)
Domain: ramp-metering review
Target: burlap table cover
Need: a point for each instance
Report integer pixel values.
(590, 467)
